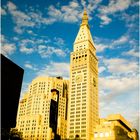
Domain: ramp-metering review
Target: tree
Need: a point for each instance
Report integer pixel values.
(11, 134)
(15, 134)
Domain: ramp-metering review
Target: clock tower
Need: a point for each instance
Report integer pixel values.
(83, 98)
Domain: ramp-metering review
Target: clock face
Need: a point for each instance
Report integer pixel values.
(78, 78)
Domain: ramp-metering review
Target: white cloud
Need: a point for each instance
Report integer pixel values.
(24, 42)
(18, 29)
(20, 18)
(105, 19)
(53, 12)
(6, 47)
(101, 47)
(11, 6)
(102, 44)
(120, 88)
(41, 46)
(59, 41)
(43, 52)
(131, 53)
(59, 52)
(123, 39)
(23, 19)
(126, 107)
(55, 69)
(2, 11)
(83, 2)
(123, 78)
(119, 66)
(92, 5)
(113, 7)
(116, 94)
(70, 13)
(129, 18)
(131, 21)
(31, 32)
(47, 51)
(30, 66)
(134, 118)
(101, 69)
(116, 86)
(26, 50)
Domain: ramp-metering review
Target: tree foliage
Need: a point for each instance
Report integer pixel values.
(11, 134)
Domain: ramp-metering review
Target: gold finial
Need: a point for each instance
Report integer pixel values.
(85, 18)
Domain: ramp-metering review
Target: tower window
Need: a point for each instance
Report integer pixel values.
(77, 136)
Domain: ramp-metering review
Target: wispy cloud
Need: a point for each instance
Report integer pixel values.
(114, 86)
(105, 19)
(6, 47)
(102, 44)
(131, 52)
(20, 18)
(68, 13)
(47, 51)
(44, 47)
(123, 39)
(2, 11)
(23, 19)
(131, 22)
(118, 66)
(115, 106)
(26, 50)
(119, 89)
(72, 12)
(59, 41)
(55, 69)
(101, 47)
(30, 66)
(121, 82)
(101, 69)
(114, 6)
(34, 18)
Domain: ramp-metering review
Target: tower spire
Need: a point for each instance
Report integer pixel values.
(85, 18)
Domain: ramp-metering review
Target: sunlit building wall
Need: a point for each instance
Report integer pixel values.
(114, 127)
(83, 98)
(34, 109)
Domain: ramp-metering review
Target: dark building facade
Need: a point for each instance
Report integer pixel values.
(11, 81)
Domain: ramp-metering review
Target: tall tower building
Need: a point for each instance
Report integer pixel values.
(83, 98)
(34, 109)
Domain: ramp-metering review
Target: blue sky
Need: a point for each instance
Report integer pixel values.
(39, 36)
